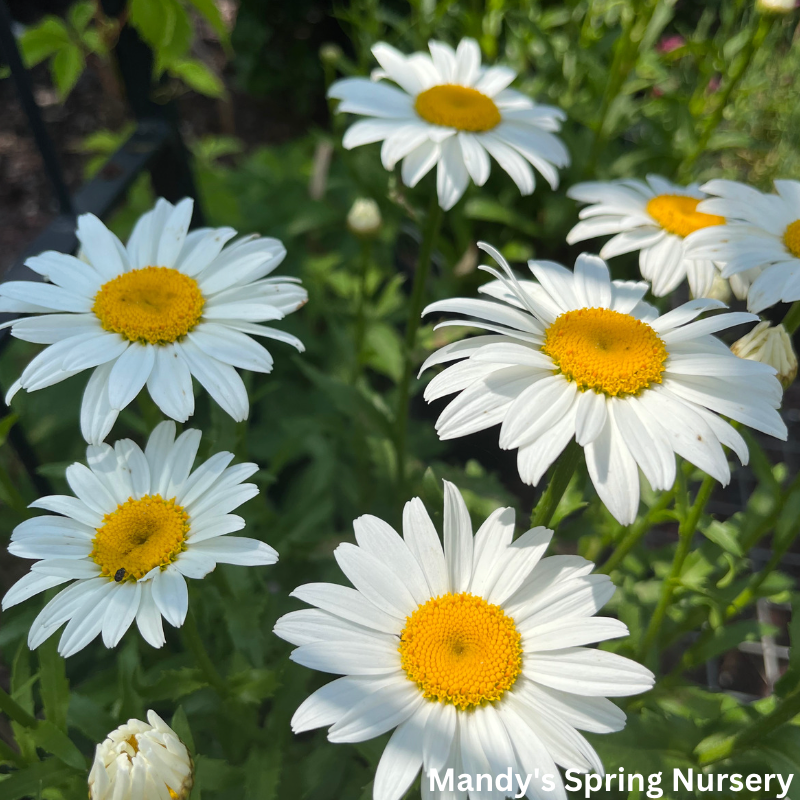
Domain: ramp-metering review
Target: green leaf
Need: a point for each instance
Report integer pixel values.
(53, 740)
(491, 210)
(80, 15)
(385, 350)
(254, 685)
(724, 535)
(8, 422)
(66, 67)
(180, 724)
(30, 781)
(53, 684)
(196, 75)
(209, 10)
(43, 40)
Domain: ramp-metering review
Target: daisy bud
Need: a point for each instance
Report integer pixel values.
(330, 54)
(140, 759)
(771, 346)
(776, 6)
(720, 289)
(364, 218)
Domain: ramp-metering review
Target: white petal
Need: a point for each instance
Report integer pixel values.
(102, 248)
(348, 604)
(97, 416)
(423, 542)
(148, 617)
(402, 757)
(452, 177)
(171, 595)
(120, 612)
(237, 550)
(458, 541)
(220, 380)
(173, 234)
(170, 383)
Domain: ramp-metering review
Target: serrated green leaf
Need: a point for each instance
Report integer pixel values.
(31, 780)
(80, 14)
(725, 535)
(53, 740)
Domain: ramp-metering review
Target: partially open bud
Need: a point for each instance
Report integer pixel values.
(364, 218)
(770, 346)
(776, 6)
(141, 760)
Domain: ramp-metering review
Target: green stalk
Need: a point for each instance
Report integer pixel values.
(430, 234)
(194, 644)
(13, 710)
(686, 533)
(548, 502)
(791, 321)
(361, 313)
(637, 531)
(754, 733)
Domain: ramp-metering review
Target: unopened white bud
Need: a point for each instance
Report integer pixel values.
(769, 346)
(141, 754)
(720, 289)
(776, 6)
(364, 218)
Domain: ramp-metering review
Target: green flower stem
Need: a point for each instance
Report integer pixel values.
(791, 321)
(429, 237)
(637, 531)
(712, 121)
(194, 644)
(686, 534)
(361, 313)
(754, 733)
(13, 710)
(548, 502)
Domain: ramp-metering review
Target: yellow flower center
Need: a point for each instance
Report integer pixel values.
(792, 238)
(140, 535)
(152, 305)
(603, 350)
(678, 214)
(459, 649)
(457, 107)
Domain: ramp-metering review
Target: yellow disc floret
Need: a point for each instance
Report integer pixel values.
(791, 238)
(603, 350)
(461, 650)
(458, 107)
(139, 535)
(152, 305)
(678, 214)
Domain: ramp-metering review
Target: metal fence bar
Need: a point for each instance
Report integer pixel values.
(10, 51)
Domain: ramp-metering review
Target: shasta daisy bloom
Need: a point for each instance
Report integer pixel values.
(576, 355)
(475, 654)
(140, 523)
(657, 218)
(141, 761)
(169, 306)
(449, 112)
(762, 234)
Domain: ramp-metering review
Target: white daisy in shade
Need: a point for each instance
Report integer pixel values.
(659, 219)
(169, 306)
(762, 234)
(449, 112)
(475, 655)
(576, 355)
(139, 525)
(141, 761)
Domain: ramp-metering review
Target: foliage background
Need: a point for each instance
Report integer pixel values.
(681, 89)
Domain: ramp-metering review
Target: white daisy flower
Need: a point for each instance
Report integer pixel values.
(578, 355)
(449, 112)
(762, 234)
(475, 655)
(169, 306)
(141, 761)
(659, 219)
(138, 526)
